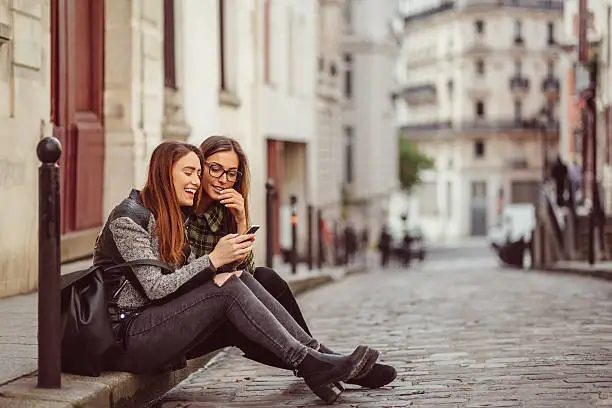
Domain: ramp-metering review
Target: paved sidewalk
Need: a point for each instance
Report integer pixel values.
(469, 338)
(18, 348)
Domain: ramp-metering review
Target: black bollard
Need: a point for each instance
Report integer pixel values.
(320, 254)
(309, 233)
(49, 150)
(293, 202)
(270, 195)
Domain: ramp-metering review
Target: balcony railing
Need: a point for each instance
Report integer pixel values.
(478, 125)
(530, 4)
(445, 6)
(420, 94)
(553, 5)
(519, 83)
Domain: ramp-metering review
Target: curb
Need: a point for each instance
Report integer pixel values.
(118, 389)
(594, 272)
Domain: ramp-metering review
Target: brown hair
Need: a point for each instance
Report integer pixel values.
(159, 197)
(218, 143)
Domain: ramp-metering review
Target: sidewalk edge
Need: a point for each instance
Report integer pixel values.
(599, 273)
(117, 389)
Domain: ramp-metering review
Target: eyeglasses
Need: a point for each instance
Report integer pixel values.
(217, 171)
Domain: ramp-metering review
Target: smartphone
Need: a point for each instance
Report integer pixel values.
(252, 229)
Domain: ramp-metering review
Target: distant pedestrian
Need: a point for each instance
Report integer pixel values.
(559, 173)
(384, 246)
(575, 177)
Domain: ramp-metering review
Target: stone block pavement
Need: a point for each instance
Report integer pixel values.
(459, 337)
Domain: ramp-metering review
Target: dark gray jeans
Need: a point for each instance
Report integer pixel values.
(162, 334)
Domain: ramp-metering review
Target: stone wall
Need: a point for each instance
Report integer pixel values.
(24, 118)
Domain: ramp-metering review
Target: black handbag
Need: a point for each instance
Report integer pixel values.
(87, 333)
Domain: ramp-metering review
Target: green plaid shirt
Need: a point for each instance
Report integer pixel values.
(207, 229)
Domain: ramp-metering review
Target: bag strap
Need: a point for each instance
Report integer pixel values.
(130, 276)
(166, 269)
(69, 279)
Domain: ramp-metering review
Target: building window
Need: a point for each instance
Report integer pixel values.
(449, 200)
(551, 33)
(227, 45)
(169, 48)
(348, 76)
(479, 26)
(480, 67)
(518, 111)
(349, 145)
(222, 46)
(291, 48)
(518, 29)
(267, 44)
(479, 149)
(332, 69)
(518, 67)
(348, 14)
(428, 198)
(450, 86)
(480, 109)
(321, 63)
(551, 68)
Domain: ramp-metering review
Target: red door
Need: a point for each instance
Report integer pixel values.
(77, 85)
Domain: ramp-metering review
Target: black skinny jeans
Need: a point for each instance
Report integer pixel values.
(240, 313)
(228, 335)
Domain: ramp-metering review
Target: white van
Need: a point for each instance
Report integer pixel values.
(511, 236)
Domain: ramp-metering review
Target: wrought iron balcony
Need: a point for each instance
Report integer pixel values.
(552, 5)
(519, 84)
(477, 125)
(420, 94)
(445, 6)
(529, 4)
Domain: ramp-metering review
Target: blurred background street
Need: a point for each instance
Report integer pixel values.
(460, 335)
(467, 143)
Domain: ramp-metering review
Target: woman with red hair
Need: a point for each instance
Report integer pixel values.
(162, 313)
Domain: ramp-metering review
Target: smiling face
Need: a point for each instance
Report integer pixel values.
(228, 161)
(186, 174)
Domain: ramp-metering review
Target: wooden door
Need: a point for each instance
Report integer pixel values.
(77, 85)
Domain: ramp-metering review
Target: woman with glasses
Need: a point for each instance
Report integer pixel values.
(164, 311)
(223, 210)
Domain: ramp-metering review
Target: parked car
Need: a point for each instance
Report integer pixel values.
(511, 237)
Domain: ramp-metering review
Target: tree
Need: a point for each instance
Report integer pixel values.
(411, 163)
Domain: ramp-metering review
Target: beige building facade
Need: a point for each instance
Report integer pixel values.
(24, 119)
(476, 78)
(370, 143)
(329, 144)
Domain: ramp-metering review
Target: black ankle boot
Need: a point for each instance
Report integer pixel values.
(378, 376)
(320, 370)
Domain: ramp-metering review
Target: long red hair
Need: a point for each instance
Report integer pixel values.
(159, 197)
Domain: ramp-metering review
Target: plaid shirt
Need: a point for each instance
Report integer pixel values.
(207, 229)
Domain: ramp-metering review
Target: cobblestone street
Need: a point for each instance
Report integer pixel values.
(461, 334)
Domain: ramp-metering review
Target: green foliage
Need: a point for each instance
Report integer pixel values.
(411, 163)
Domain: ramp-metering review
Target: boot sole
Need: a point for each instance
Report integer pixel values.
(328, 391)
